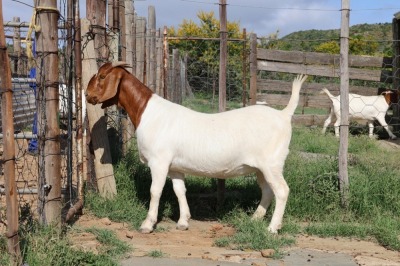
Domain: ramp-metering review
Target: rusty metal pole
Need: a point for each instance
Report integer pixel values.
(8, 160)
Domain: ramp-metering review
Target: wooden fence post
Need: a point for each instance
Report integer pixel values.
(140, 49)
(8, 158)
(244, 68)
(344, 102)
(151, 44)
(97, 123)
(49, 130)
(18, 67)
(253, 69)
(223, 55)
(122, 31)
(165, 63)
(159, 70)
(129, 20)
(128, 130)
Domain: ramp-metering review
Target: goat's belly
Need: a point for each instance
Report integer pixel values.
(212, 171)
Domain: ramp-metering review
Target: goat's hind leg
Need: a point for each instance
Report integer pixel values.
(178, 182)
(158, 178)
(266, 197)
(278, 185)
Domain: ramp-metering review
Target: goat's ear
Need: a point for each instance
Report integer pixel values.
(386, 92)
(109, 83)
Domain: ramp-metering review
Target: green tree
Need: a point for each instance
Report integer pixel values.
(331, 47)
(203, 54)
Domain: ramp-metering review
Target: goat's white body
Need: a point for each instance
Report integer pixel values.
(219, 145)
(369, 108)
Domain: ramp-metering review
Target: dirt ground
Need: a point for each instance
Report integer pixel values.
(198, 242)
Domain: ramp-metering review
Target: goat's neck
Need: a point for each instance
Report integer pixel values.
(387, 98)
(133, 97)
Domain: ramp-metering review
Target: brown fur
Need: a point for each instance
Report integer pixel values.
(115, 85)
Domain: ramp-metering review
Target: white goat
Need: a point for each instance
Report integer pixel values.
(174, 140)
(361, 107)
(63, 103)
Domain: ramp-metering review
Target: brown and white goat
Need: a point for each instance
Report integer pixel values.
(174, 141)
(369, 108)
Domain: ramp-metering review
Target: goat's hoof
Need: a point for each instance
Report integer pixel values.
(273, 230)
(145, 230)
(182, 226)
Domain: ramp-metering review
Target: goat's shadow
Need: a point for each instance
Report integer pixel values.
(201, 194)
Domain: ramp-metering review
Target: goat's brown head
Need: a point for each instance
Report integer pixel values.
(390, 96)
(103, 86)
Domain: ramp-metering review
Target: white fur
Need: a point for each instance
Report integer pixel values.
(174, 140)
(63, 103)
(360, 107)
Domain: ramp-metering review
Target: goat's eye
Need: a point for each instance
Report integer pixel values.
(102, 76)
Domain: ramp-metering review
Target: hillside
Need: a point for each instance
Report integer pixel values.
(379, 34)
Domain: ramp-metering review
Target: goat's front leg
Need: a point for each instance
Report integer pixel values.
(158, 176)
(178, 182)
(383, 123)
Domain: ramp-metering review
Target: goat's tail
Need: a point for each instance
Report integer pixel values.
(325, 90)
(294, 99)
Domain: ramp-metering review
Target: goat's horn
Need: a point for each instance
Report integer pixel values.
(120, 63)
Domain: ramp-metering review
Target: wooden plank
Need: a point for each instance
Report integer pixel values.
(322, 70)
(269, 85)
(318, 101)
(321, 58)
(309, 120)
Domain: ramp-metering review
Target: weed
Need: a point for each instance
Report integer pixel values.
(156, 254)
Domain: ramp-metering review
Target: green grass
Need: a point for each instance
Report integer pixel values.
(156, 254)
(46, 246)
(208, 104)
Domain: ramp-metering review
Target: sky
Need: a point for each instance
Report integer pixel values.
(263, 17)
